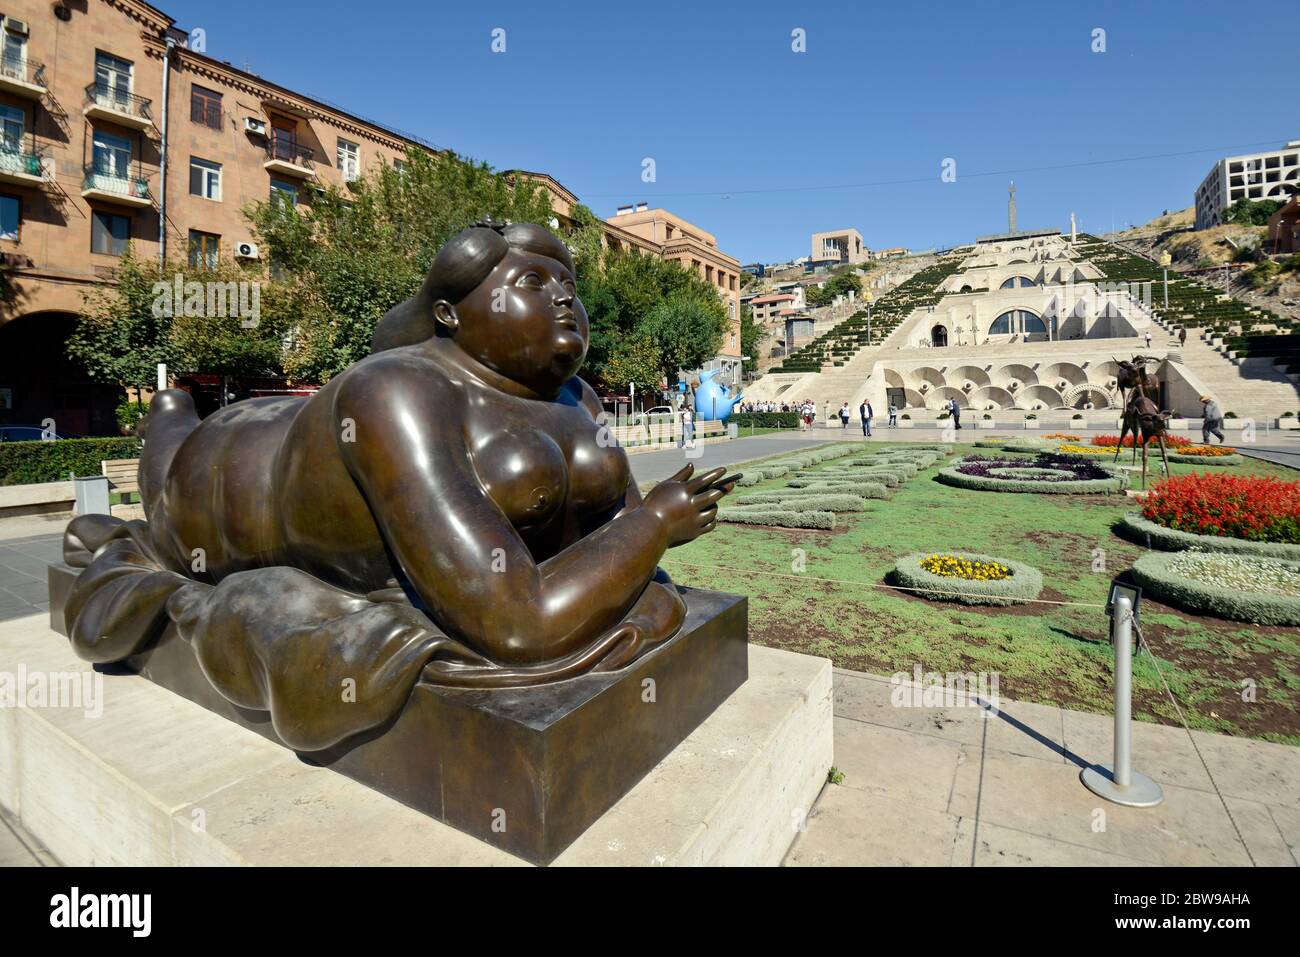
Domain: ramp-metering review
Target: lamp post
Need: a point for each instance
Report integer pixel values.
(1165, 260)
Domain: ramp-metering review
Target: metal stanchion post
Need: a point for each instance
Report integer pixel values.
(1118, 782)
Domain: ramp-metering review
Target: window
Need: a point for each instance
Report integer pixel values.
(205, 178)
(109, 233)
(12, 123)
(113, 78)
(284, 192)
(1017, 320)
(205, 249)
(11, 216)
(349, 155)
(400, 167)
(15, 54)
(112, 155)
(205, 107)
(1018, 282)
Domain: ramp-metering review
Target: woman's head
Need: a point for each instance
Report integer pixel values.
(506, 294)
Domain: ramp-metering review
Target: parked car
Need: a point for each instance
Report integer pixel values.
(29, 433)
(647, 414)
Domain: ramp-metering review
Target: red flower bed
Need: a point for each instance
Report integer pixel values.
(1171, 441)
(1258, 509)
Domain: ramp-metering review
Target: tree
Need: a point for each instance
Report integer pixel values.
(635, 360)
(351, 254)
(1246, 212)
(751, 335)
(118, 338)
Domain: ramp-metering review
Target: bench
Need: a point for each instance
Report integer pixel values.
(123, 479)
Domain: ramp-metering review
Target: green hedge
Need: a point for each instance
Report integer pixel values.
(1153, 572)
(1138, 529)
(1025, 581)
(775, 515)
(860, 489)
(979, 483)
(766, 420)
(25, 463)
(1231, 459)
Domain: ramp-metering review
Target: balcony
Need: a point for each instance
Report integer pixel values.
(21, 168)
(289, 159)
(117, 106)
(112, 188)
(21, 77)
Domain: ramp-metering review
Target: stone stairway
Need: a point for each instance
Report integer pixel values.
(1255, 389)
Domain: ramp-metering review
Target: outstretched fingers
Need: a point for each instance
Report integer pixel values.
(705, 479)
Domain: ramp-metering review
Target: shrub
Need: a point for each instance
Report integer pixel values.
(1256, 509)
(774, 515)
(22, 463)
(1190, 456)
(129, 413)
(1240, 587)
(1137, 529)
(1023, 582)
(766, 420)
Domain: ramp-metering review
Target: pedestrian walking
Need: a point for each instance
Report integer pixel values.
(1211, 420)
(1182, 336)
(688, 427)
(867, 414)
(955, 409)
(1148, 338)
(844, 416)
(893, 416)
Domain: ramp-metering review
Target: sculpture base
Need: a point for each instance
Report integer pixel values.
(526, 770)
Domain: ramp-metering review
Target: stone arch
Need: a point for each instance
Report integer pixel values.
(1068, 372)
(963, 374)
(939, 335)
(993, 395)
(1077, 396)
(1034, 394)
(925, 375)
(938, 398)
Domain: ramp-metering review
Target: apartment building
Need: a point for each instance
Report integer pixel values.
(838, 247)
(116, 132)
(679, 240)
(1273, 175)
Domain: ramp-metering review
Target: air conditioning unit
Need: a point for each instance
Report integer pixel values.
(16, 26)
(253, 124)
(245, 250)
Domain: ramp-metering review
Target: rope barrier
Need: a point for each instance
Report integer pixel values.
(881, 585)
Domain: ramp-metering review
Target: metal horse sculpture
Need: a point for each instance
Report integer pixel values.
(1142, 417)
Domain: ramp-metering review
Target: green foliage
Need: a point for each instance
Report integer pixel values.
(1106, 486)
(118, 338)
(635, 359)
(129, 412)
(838, 285)
(126, 329)
(1153, 535)
(751, 336)
(1248, 212)
(350, 257)
(766, 420)
(775, 515)
(23, 463)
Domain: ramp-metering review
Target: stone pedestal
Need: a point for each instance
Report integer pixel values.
(142, 776)
(525, 769)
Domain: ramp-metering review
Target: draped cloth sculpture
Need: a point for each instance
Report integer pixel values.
(448, 510)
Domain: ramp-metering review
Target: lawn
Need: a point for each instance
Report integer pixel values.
(841, 608)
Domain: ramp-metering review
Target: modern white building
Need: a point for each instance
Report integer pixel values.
(1256, 176)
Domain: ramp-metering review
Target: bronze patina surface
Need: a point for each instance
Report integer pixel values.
(448, 513)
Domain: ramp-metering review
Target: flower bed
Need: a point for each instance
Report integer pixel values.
(1251, 588)
(1087, 449)
(957, 577)
(1207, 455)
(1249, 507)
(1051, 473)
(1171, 441)
(1061, 437)
(1138, 529)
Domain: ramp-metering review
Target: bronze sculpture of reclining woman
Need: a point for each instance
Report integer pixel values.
(449, 509)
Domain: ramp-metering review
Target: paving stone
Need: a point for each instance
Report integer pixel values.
(1003, 847)
(1190, 827)
(913, 768)
(1251, 769)
(853, 828)
(1162, 752)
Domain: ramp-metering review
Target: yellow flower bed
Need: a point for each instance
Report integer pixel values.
(1087, 449)
(952, 566)
(1206, 451)
(1062, 437)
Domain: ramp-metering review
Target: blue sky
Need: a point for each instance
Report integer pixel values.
(763, 146)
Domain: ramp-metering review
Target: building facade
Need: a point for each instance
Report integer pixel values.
(838, 247)
(117, 133)
(685, 243)
(1274, 175)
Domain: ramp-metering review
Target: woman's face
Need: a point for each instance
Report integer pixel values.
(525, 321)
